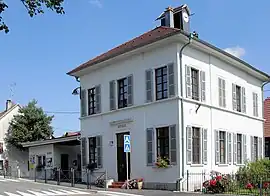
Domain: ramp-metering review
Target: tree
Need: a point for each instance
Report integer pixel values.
(33, 7)
(31, 124)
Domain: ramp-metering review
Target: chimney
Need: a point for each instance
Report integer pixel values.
(169, 21)
(8, 104)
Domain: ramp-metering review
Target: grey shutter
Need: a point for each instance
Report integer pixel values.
(255, 104)
(234, 149)
(112, 95)
(220, 98)
(229, 140)
(130, 90)
(217, 150)
(234, 97)
(171, 83)
(202, 78)
(244, 148)
(99, 151)
(83, 148)
(260, 148)
(252, 157)
(149, 85)
(83, 102)
(98, 99)
(149, 146)
(189, 145)
(188, 82)
(224, 93)
(173, 148)
(243, 99)
(204, 132)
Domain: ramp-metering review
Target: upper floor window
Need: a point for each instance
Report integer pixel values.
(239, 98)
(195, 84)
(222, 92)
(122, 92)
(161, 83)
(92, 101)
(255, 104)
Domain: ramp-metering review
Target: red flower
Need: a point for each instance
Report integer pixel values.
(213, 182)
(249, 186)
(266, 185)
(218, 178)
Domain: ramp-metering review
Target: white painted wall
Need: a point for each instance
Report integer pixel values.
(72, 151)
(166, 112)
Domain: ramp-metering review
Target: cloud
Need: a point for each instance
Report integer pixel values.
(236, 51)
(96, 3)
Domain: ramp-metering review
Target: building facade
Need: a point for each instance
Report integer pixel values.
(267, 126)
(177, 97)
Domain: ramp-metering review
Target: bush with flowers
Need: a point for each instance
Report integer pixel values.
(162, 162)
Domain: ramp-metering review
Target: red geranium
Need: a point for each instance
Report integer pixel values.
(213, 182)
(266, 185)
(218, 178)
(249, 186)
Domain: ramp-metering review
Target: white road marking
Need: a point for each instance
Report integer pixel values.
(25, 194)
(112, 193)
(48, 193)
(11, 194)
(57, 192)
(80, 192)
(36, 193)
(66, 191)
(12, 180)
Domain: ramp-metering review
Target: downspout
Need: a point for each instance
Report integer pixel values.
(181, 102)
(265, 83)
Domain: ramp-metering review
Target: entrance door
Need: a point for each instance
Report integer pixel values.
(64, 164)
(122, 158)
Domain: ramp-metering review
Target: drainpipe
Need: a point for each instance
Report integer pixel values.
(265, 83)
(181, 101)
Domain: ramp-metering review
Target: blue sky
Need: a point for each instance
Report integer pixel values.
(38, 51)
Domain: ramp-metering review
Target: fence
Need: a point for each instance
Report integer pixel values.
(229, 184)
(70, 177)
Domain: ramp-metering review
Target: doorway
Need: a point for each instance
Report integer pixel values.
(65, 164)
(122, 158)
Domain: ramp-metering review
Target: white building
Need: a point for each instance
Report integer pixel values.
(177, 96)
(14, 159)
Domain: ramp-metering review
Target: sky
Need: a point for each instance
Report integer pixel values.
(38, 52)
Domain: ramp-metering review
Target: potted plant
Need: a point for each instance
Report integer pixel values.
(162, 162)
(140, 183)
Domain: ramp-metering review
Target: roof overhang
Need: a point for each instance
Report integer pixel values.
(8, 111)
(50, 141)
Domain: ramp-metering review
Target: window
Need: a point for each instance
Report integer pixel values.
(255, 104)
(239, 149)
(91, 101)
(92, 150)
(122, 93)
(161, 83)
(41, 160)
(222, 146)
(267, 147)
(222, 92)
(1, 148)
(163, 142)
(195, 83)
(256, 148)
(196, 145)
(238, 98)
(1, 164)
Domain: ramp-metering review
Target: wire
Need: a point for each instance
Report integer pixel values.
(61, 112)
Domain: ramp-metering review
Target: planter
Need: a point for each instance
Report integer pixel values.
(140, 184)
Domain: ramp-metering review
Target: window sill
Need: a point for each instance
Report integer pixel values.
(223, 165)
(169, 166)
(196, 165)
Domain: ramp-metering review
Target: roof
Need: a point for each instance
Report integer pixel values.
(267, 117)
(77, 133)
(2, 114)
(175, 10)
(159, 33)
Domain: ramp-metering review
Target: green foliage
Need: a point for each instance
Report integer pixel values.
(33, 7)
(31, 124)
(162, 162)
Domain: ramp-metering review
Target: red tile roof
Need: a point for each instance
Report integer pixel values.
(267, 117)
(142, 40)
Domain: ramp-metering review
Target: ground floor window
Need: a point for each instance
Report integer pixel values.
(163, 142)
(1, 164)
(95, 152)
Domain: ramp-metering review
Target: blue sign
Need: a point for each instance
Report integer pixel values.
(126, 143)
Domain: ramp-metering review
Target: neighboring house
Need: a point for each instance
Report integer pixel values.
(178, 97)
(267, 127)
(10, 157)
(61, 152)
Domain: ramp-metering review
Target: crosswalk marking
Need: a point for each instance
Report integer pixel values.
(11, 194)
(35, 193)
(79, 192)
(112, 193)
(25, 194)
(49, 192)
(8, 180)
(66, 191)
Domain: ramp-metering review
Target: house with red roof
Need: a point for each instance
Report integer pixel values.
(267, 126)
(166, 105)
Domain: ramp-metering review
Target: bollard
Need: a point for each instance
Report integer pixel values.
(261, 187)
(72, 177)
(45, 175)
(87, 179)
(35, 174)
(187, 180)
(58, 176)
(106, 176)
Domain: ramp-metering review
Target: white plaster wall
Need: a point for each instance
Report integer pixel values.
(72, 151)
(46, 150)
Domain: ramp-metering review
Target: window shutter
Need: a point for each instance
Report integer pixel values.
(171, 83)
(83, 148)
(244, 148)
(189, 144)
(83, 102)
(224, 93)
(202, 78)
(188, 82)
(255, 104)
(243, 99)
(252, 157)
(98, 99)
(99, 151)
(234, 149)
(217, 147)
(173, 148)
(260, 148)
(149, 85)
(204, 132)
(112, 95)
(149, 145)
(130, 90)
(220, 98)
(234, 97)
(229, 140)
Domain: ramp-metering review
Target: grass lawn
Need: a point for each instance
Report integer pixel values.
(245, 192)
